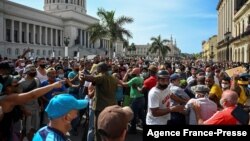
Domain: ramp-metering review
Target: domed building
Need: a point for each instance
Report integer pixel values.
(46, 33)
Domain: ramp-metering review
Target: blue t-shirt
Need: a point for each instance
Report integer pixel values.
(50, 95)
(49, 134)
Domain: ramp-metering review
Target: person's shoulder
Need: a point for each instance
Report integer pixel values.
(40, 137)
(154, 91)
(44, 83)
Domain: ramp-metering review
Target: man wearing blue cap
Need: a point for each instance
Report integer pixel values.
(61, 110)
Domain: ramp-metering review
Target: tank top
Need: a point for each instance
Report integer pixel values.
(41, 77)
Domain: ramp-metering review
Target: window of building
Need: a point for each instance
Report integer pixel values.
(66, 1)
(15, 36)
(59, 53)
(17, 51)
(8, 39)
(8, 51)
(38, 52)
(23, 37)
(44, 52)
(49, 52)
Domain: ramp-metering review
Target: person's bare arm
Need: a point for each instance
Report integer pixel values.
(177, 99)
(125, 77)
(83, 77)
(10, 101)
(124, 84)
(156, 112)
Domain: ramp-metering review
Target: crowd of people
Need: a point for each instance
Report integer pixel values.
(40, 98)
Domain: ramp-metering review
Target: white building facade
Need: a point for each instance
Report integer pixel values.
(234, 17)
(241, 31)
(225, 25)
(44, 32)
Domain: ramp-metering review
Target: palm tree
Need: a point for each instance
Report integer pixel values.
(159, 45)
(109, 27)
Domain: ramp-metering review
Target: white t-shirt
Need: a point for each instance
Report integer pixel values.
(158, 98)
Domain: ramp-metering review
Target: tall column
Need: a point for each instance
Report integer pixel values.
(51, 37)
(20, 32)
(56, 37)
(81, 37)
(61, 32)
(40, 35)
(46, 36)
(34, 34)
(27, 33)
(12, 30)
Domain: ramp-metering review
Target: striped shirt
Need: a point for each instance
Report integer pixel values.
(49, 134)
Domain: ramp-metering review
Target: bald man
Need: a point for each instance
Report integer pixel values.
(224, 117)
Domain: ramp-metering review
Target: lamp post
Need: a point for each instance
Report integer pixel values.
(227, 37)
(66, 43)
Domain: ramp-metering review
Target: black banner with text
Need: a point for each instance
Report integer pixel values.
(164, 132)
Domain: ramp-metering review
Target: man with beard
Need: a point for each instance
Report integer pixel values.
(159, 101)
(41, 70)
(61, 110)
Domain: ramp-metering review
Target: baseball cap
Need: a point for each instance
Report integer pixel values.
(113, 120)
(174, 76)
(162, 74)
(61, 104)
(29, 68)
(202, 89)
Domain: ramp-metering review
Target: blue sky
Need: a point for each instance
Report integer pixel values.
(188, 21)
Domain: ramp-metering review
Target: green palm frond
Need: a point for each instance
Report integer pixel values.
(110, 27)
